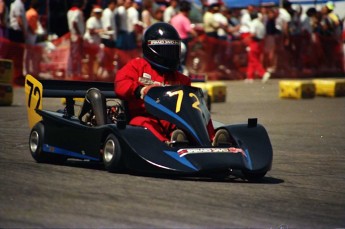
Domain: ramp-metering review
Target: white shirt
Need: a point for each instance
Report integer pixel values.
(147, 19)
(245, 21)
(169, 12)
(283, 17)
(108, 22)
(75, 15)
(121, 15)
(17, 9)
(132, 18)
(93, 23)
(222, 20)
(257, 28)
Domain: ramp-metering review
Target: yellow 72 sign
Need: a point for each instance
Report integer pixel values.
(179, 94)
(33, 99)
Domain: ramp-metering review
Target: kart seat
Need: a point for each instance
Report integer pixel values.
(126, 111)
(95, 101)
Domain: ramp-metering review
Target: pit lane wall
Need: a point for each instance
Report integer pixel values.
(304, 56)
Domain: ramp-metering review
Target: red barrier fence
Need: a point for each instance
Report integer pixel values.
(302, 57)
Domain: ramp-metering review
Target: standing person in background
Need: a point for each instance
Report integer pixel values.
(332, 19)
(32, 18)
(210, 24)
(283, 20)
(138, 27)
(210, 27)
(17, 32)
(257, 34)
(3, 17)
(183, 26)
(221, 48)
(158, 15)
(310, 23)
(17, 22)
(76, 27)
(271, 39)
(333, 16)
(296, 38)
(171, 10)
(108, 38)
(132, 21)
(234, 25)
(57, 22)
(94, 27)
(121, 24)
(220, 17)
(245, 21)
(331, 27)
(31, 54)
(147, 14)
(92, 38)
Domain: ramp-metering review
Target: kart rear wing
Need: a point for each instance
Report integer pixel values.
(36, 89)
(75, 89)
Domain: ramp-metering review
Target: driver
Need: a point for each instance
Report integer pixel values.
(161, 58)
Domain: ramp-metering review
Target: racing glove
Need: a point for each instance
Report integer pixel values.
(141, 91)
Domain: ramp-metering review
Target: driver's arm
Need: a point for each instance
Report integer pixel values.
(126, 81)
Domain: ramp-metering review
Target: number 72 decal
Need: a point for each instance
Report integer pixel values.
(33, 99)
(179, 94)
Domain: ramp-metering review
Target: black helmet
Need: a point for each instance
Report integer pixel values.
(162, 46)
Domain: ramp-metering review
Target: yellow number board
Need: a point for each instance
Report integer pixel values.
(33, 99)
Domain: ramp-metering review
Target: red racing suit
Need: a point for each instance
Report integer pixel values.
(254, 59)
(133, 76)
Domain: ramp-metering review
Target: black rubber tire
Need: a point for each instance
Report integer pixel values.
(36, 140)
(254, 176)
(209, 102)
(112, 154)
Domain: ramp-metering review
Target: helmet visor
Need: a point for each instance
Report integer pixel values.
(168, 50)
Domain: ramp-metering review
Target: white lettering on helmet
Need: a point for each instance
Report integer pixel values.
(163, 42)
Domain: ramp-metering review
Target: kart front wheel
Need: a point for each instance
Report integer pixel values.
(36, 140)
(112, 154)
(254, 176)
(209, 102)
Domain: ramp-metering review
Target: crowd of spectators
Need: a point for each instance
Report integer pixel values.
(120, 24)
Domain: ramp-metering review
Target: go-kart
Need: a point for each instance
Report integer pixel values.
(58, 135)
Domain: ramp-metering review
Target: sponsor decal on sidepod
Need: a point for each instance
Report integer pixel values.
(183, 152)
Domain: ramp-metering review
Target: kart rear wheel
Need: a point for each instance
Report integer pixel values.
(112, 154)
(36, 140)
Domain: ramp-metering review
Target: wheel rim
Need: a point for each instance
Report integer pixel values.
(109, 150)
(34, 139)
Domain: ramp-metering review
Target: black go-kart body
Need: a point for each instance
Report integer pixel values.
(120, 146)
